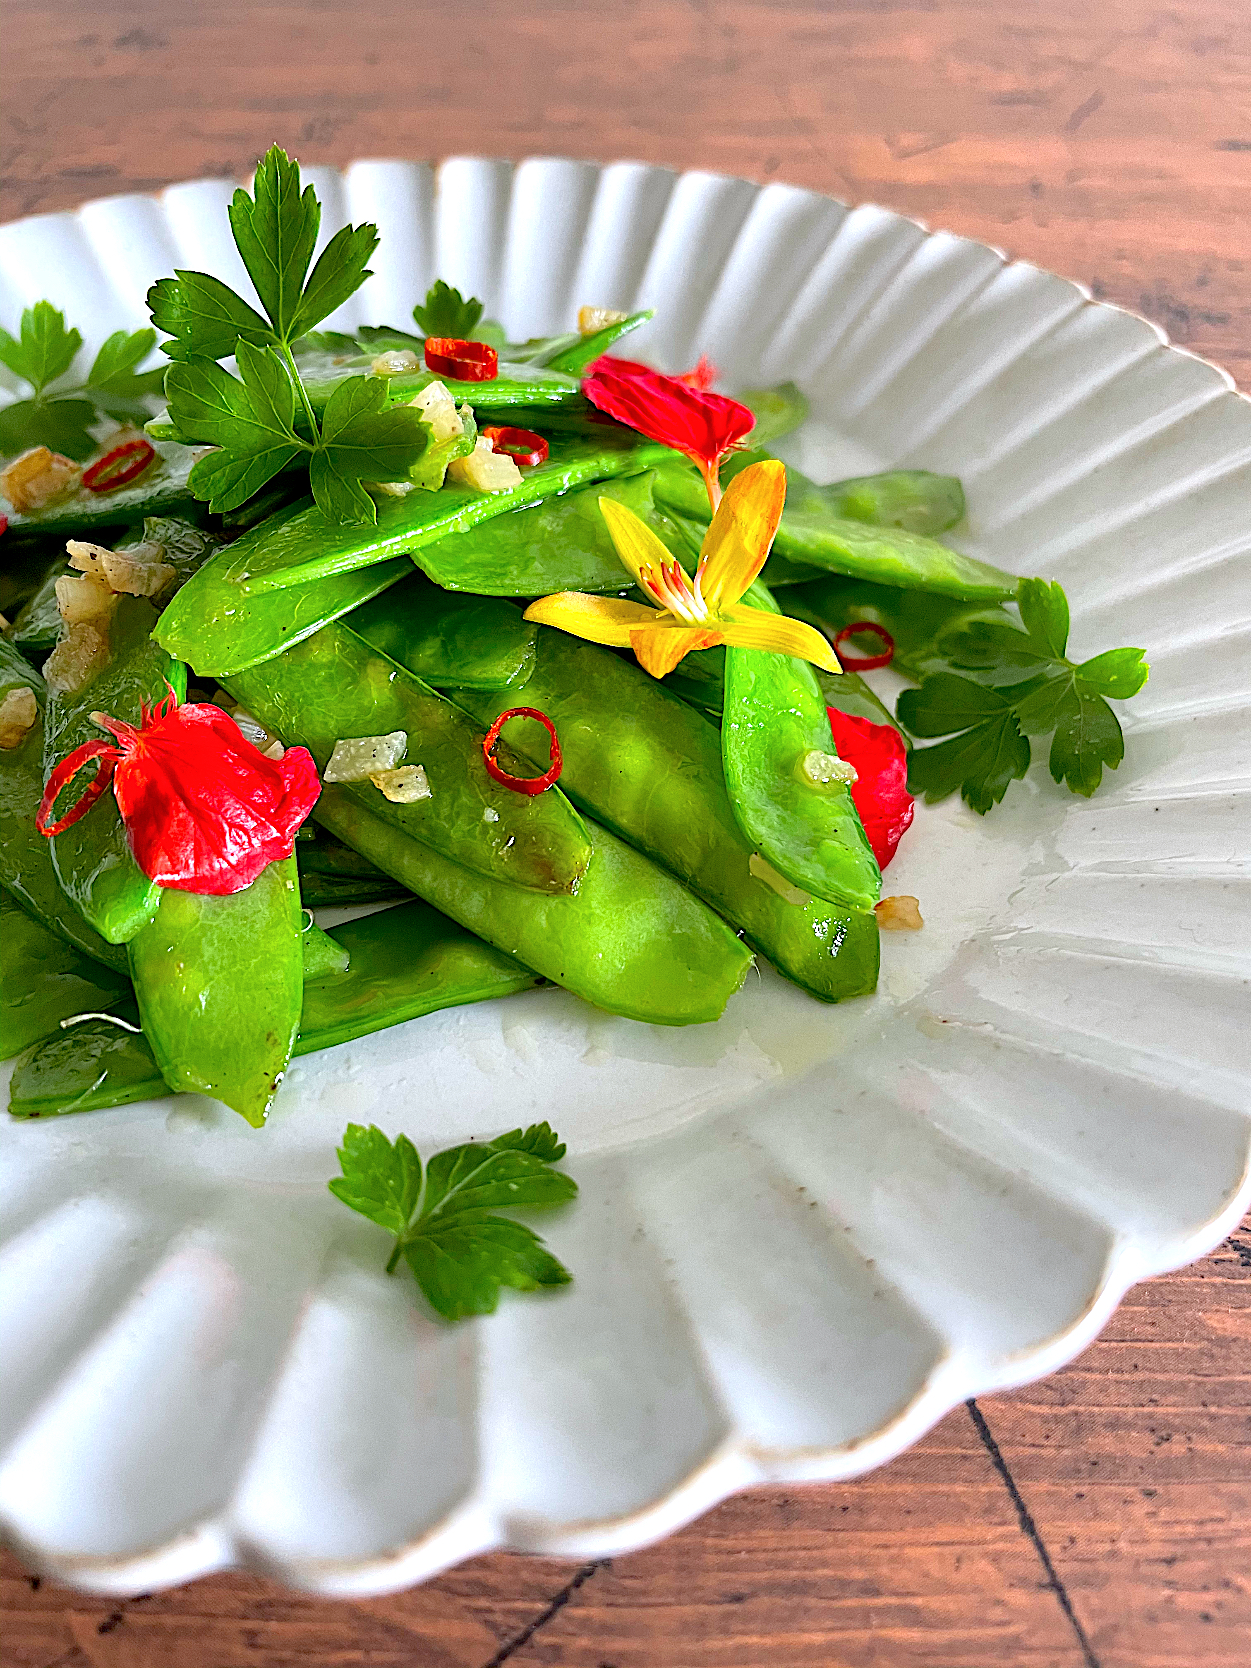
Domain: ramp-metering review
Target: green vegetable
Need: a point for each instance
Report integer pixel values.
(25, 856)
(38, 625)
(909, 498)
(514, 386)
(991, 748)
(44, 980)
(773, 717)
(649, 767)
(561, 544)
(304, 546)
(405, 962)
(92, 858)
(447, 313)
(322, 854)
(449, 640)
(320, 891)
(61, 420)
(334, 686)
(777, 411)
(162, 489)
(263, 421)
(918, 621)
(219, 981)
(323, 957)
(632, 940)
(583, 350)
(459, 1253)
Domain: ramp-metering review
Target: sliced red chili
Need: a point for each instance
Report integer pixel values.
(4, 524)
(465, 361)
(68, 768)
(869, 662)
(119, 467)
(523, 446)
(522, 784)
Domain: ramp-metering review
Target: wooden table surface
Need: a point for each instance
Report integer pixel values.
(1103, 1516)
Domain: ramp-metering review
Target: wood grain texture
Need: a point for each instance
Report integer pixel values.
(1106, 1517)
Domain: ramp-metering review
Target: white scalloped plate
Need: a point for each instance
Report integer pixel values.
(803, 1233)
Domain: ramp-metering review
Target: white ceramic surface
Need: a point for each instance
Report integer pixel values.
(803, 1233)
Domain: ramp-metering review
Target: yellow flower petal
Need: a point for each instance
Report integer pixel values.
(753, 628)
(738, 539)
(636, 544)
(659, 648)
(608, 620)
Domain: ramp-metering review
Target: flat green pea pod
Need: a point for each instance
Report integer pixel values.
(219, 981)
(913, 499)
(812, 532)
(342, 892)
(44, 980)
(774, 729)
(323, 957)
(515, 384)
(583, 350)
(777, 411)
(25, 856)
(92, 858)
(649, 767)
(918, 621)
(561, 544)
(289, 551)
(334, 686)
(404, 963)
(632, 940)
(38, 623)
(161, 490)
(23, 570)
(450, 641)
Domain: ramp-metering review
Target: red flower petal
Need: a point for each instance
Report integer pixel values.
(665, 408)
(205, 810)
(880, 792)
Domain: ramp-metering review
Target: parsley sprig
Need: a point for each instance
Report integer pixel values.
(41, 354)
(262, 421)
(442, 1214)
(989, 721)
(447, 312)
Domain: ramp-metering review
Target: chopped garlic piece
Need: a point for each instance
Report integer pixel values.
(80, 653)
(404, 786)
(485, 469)
(85, 601)
(766, 872)
(136, 572)
(901, 914)
(822, 770)
(18, 712)
(439, 410)
(591, 319)
(393, 489)
(395, 362)
(490, 814)
(360, 757)
(37, 477)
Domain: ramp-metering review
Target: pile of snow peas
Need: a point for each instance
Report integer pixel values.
(679, 841)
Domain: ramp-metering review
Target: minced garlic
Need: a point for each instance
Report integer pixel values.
(485, 469)
(84, 601)
(404, 786)
(36, 477)
(18, 712)
(395, 362)
(80, 653)
(136, 573)
(901, 914)
(591, 319)
(357, 758)
(438, 408)
(823, 770)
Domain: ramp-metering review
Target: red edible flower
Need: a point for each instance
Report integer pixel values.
(205, 810)
(880, 791)
(667, 408)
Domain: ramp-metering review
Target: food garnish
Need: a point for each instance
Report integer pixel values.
(120, 466)
(877, 755)
(463, 360)
(856, 662)
(523, 784)
(522, 445)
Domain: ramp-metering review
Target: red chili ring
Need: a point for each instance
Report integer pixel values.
(4, 524)
(867, 663)
(522, 784)
(464, 361)
(105, 475)
(68, 768)
(523, 446)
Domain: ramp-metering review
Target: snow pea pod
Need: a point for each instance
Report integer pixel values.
(161, 490)
(25, 856)
(575, 358)
(515, 385)
(38, 624)
(450, 640)
(774, 717)
(814, 531)
(405, 962)
(289, 551)
(559, 545)
(777, 411)
(632, 940)
(92, 859)
(44, 980)
(649, 767)
(918, 621)
(219, 981)
(335, 685)
(913, 499)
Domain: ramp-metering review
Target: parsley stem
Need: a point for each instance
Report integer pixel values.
(394, 1259)
(289, 360)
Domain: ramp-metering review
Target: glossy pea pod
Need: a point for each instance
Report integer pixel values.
(161, 490)
(92, 858)
(632, 941)
(219, 982)
(648, 766)
(774, 720)
(450, 640)
(334, 685)
(25, 856)
(44, 979)
(403, 963)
